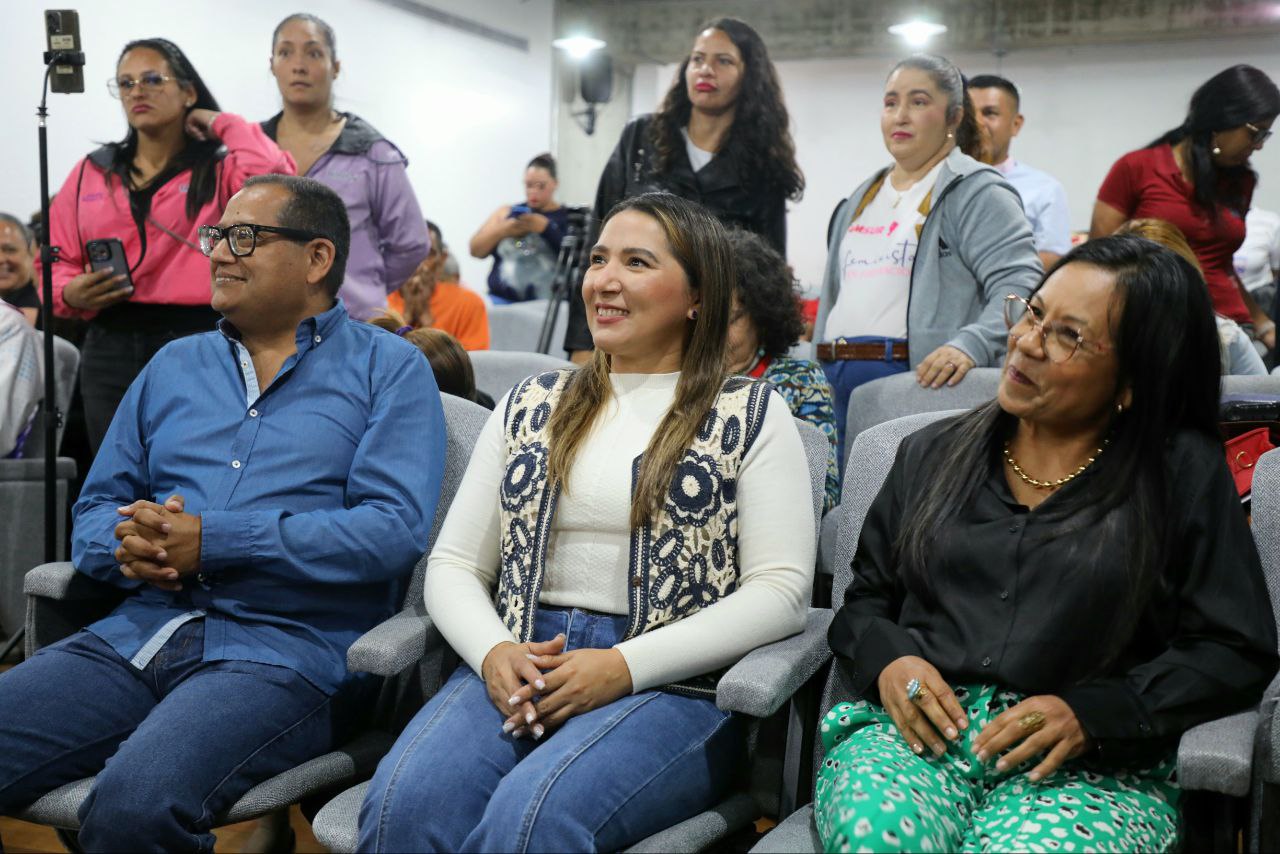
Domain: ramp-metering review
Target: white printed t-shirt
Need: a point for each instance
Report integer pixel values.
(876, 256)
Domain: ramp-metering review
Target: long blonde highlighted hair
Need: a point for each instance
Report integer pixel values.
(700, 245)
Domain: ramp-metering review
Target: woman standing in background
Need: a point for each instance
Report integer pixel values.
(346, 153)
(721, 138)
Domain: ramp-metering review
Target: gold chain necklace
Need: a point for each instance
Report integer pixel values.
(1050, 484)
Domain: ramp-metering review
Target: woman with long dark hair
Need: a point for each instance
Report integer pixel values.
(1049, 590)
(1197, 177)
(722, 138)
(623, 532)
(921, 255)
(350, 156)
(179, 163)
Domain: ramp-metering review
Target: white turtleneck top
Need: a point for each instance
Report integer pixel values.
(589, 548)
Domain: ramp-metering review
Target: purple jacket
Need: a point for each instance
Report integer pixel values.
(388, 234)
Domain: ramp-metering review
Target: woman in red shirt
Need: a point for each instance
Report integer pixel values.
(1197, 177)
(174, 171)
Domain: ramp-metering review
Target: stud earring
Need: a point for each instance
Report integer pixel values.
(1216, 151)
(1119, 409)
(950, 135)
(693, 315)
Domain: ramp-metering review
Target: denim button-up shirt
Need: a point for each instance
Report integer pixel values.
(389, 237)
(315, 496)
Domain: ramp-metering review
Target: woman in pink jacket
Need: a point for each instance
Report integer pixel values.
(178, 165)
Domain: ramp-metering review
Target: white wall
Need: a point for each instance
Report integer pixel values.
(468, 112)
(1084, 107)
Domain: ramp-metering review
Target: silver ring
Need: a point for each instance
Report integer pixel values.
(914, 689)
(951, 365)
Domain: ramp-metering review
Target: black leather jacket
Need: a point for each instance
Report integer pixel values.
(632, 170)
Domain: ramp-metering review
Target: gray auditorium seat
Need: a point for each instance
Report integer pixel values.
(61, 600)
(498, 371)
(515, 326)
(66, 362)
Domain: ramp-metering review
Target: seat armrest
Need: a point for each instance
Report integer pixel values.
(393, 645)
(61, 582)
(765, 678)
(1217, 756)
(827, 541)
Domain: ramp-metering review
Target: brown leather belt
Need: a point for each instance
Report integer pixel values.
(842, 351)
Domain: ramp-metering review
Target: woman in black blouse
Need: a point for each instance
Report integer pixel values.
(1051, 589)
(721, 138)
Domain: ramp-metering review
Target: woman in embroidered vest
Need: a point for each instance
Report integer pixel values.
(922, 255)
(179, 163)
(1051, 589)
(623, 533)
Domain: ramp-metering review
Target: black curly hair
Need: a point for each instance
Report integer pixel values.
(761, 135)
(768, 291)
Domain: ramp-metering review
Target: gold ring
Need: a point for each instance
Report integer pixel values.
(921, 695)
(1032, 721)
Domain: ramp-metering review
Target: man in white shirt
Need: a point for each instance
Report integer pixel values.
(1043, 198)
(1257, 261)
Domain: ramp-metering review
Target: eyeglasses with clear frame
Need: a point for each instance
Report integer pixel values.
(1060, 341)
(242, 238)
(1259, 135)
(150, 81)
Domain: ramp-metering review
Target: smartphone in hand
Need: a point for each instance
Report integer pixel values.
(108, 254)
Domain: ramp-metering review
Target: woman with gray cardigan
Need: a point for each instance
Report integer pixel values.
(922, 255)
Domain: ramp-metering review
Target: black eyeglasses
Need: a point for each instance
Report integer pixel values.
(1259, 135)
(150, 81)
(243, 237)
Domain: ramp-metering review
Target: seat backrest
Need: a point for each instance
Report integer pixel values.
(1265, 384)
(463, 421)
(516, 326)
(498, 371)
(1266, 522)
(893, 397)
(870, 458)
(66, 362)
(817, 450)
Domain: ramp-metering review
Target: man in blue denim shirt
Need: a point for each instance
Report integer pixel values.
(301, 453)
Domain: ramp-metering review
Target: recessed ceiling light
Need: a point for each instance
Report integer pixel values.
(917, 33)
(578, 47)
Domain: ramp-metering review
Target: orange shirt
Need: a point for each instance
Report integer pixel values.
(457, 310)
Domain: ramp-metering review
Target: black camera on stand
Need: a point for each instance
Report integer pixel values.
(570, 266)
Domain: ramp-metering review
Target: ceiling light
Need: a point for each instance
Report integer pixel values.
(917, 33)
(578, 47)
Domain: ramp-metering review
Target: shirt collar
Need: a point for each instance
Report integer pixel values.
(1007, 166)
(312, 331)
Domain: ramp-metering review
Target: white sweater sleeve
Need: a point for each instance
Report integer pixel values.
(776, 546)
(462, 571)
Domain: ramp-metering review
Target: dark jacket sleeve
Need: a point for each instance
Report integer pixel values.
(611, 190)
(1222, 653)
(773, 224)
(865, 635)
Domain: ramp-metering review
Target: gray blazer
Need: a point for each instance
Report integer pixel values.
(976, 247)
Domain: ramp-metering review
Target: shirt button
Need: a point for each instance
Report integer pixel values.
(986, 662)
(1004, 594)
(253, 413)
(1013, 529)
(201, 577)
(635, 582)
(317, 339)
(235, 464)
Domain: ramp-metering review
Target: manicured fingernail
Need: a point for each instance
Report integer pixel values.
(519, 733)
(1034, 776)
(982, 756)
(531, 656)
(508, 727)
(1000, 766)
(540, 684)
(537, 731)
(562, 636)
(917, 748)
(514, 701)
(528, 717)
(162, 556)
(166, 527)
(962, 723)
(951, 732)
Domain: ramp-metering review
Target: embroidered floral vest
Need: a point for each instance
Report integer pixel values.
(684, 559)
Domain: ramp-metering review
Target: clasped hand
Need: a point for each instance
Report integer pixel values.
(159, 544)
(538, 686)
(939, 715)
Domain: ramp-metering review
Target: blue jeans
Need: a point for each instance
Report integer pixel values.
(606, 779)
(173, 745)
(847, 375)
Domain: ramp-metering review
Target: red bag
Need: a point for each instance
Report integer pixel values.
(1243, 452)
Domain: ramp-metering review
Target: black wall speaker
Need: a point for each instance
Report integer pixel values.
(595, 77)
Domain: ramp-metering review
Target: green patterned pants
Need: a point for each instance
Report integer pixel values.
(874, 794)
